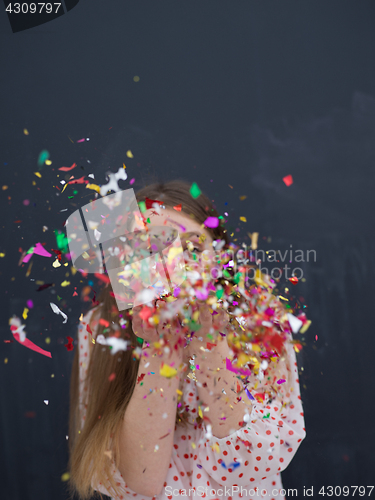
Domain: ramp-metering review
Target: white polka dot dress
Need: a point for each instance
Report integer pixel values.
(244, 465)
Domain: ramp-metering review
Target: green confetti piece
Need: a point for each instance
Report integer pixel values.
(30, 250)
(140, 340)
(193, 326)
(43, 156)
(220, 217)
(266, 416)
(142, 206)
(62, 241)
(219, 293)
(195, 191)
(237, 278)
(148, 220)
(226, 274)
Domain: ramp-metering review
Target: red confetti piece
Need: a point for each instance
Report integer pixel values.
(178, 207)
(66, 169)
(293, 280)
(150, 202)
(104, 322)
(140, 378)
(81, 180)
(112, 377)
(30, 345)
(69, 346)
(88, 328)
(288, 179)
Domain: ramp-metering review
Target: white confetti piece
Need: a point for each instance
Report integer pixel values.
(46, 402)
(56, 310)
(295, 323)
(112, 185)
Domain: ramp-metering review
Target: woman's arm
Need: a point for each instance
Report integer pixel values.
(146, 438)
(217, 389)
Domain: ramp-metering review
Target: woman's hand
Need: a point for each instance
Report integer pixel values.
(208, 335)
(166, 332)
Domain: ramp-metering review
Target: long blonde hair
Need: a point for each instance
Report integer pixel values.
(109, 397)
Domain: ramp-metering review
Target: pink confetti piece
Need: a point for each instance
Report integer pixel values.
(288, 179)
(132, 181)
(81, 140)
(211, 222)
(17, 327)
(281, 381)
(30, 304)
(40, 250)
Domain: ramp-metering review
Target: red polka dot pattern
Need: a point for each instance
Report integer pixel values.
(263, 447)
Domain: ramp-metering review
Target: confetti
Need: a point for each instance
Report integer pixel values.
(195, 191)
(288, 180)
(211, 222)
(56, 310)
(17, 330)
(167, 371)
(66, 169)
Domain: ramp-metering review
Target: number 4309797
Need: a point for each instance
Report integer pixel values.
(24, 8)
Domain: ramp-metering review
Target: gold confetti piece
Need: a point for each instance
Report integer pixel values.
(4, 187)
(24, 314)
(6, 360)
(200, 412)
(179, 392)
(2, 254)
(123, 165)
(129, 154)
(81, 317)
(25, 131)
(64, 188)
(65, 283)
(243, 197)
(136, 78)
(215, 447)
(38, 174)
(29, 269)
(167, 371)
(94, 187)
(65, 476)
(56, 263)
(254, 240)
(305, 326)
(243, 219)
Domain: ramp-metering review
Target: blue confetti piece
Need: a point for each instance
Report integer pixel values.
(235, 464)
(223, 465)
(199, 466)
(249, 395)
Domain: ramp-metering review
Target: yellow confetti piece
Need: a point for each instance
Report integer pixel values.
(243, 219)
(81, 317)
(52, 375)
(65, 283)
(305, 326)
(66, 264)
(136, 78)
(2, 254)
(193, 445)
(4, 187)
(38, 174)
(243, 197)
(129, 154)
(123, 165)
(168, 371)
(73, 270)
(179, 392)
(48, 340)
(48, 162)
(25, 131)
(65, 476)
(6, 360)
(24, 314)
(94, 187)
(215, 447)
(200, 412)
(56, 263)
(64, 188)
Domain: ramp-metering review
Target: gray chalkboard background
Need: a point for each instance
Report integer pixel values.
(229, 93)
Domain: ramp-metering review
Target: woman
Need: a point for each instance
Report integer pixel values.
(137, 433)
